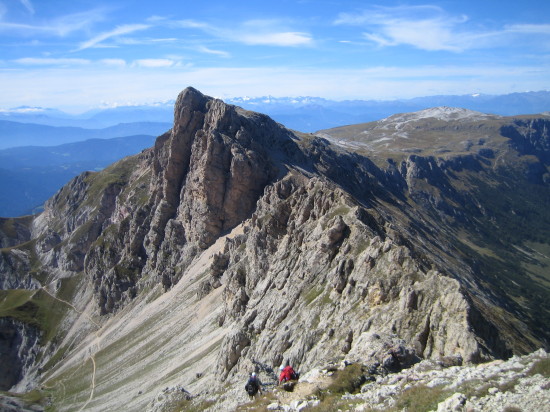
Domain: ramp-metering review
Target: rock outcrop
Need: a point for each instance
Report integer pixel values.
(520, 383)
(311, 280)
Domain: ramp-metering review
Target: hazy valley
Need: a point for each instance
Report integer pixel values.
(33, 169)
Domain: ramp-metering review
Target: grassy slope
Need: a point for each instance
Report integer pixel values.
(505, 236)
(509, 244)
(38, 308)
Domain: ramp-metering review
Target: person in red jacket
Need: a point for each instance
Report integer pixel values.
(287, 374)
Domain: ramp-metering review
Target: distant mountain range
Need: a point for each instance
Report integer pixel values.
(306, 114)
(94, 119)
(310, 114)
(30, 175)
(16, 134)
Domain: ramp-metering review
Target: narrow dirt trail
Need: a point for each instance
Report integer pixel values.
(93, 384)
(97, 342)
(44, 288)
(179, 312)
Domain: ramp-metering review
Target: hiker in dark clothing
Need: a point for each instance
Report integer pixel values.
(253, 386)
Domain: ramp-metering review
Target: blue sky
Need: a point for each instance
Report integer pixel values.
(81, 54)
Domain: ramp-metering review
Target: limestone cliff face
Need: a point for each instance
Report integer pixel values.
(316, 275)
(207, 176)
(331, 257)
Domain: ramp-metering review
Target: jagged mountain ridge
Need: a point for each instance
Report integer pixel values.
(327, 249)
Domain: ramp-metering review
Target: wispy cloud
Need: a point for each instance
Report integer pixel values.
(423, 27)
(113, 62)
(276, 39)
(254, 33)
(118, 31)
(154, 63)
(60, 26)
(431, 28)
(48, 61)
(529, 28)
(28, 5)
(145, 41)
(207, 50)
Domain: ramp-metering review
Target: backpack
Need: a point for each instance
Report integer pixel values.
(251, 388)
(289, 386)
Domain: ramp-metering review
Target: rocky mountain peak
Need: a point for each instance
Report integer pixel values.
(213, 166)
(189, 102)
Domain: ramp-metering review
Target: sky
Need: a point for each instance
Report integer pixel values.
(81, 54)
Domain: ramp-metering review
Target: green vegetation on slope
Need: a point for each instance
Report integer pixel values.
(115, 175)
(33, 307)
(508, 242)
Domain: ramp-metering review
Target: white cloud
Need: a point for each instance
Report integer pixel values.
(254, 33)
(164, 40)
(431, 28)
(47, 61)
(156, 19)
(60, 26)
(113, 62)
(154, 63)
(381, 12)
(423, 27)
(275, 39)
(192, 24)
(429, 34)
(207, 50)
(145, 41)
(118, 31)
(529, 28)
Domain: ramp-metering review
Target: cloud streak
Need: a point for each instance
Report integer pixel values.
(253, 33)
(424, 27)
(113, 62)
(59, 27)
(154, 63)
(219, 53)
(529, 28)
(44, 61)
(28, 5)
(118, 31)
(430, 28)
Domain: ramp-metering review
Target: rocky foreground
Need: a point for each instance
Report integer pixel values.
(517, 384)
